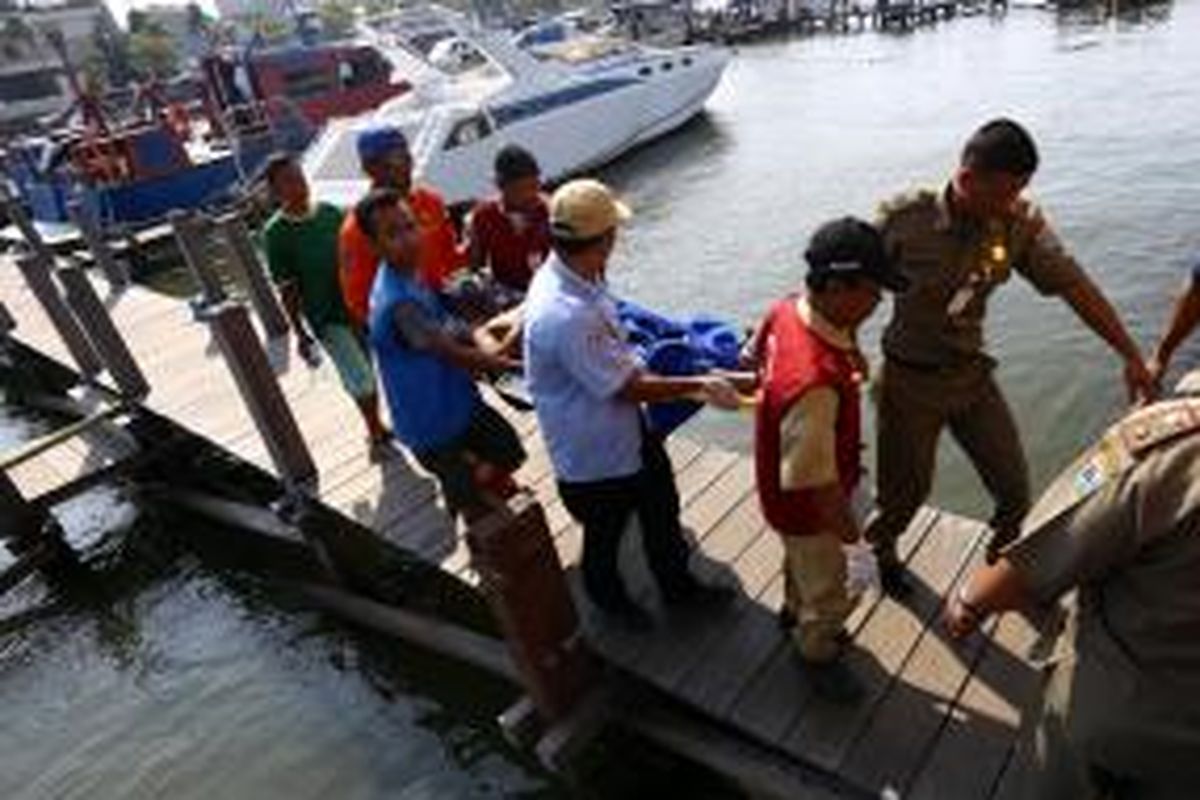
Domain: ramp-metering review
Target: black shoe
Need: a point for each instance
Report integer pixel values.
(785, 619)
(697, 596)
(835, 682)
(627, 615)
(893, 578)
(1000, 540)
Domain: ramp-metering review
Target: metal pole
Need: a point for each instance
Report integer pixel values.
(258, 285)
(116, 271)
(191, 235)
(36, 270)
(260, 391)
(95, 319)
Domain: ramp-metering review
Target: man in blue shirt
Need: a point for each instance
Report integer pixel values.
(588, 388)
(427, 361)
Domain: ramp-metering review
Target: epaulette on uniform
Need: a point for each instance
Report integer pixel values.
(907, 201)
(1145, 430)
(1121, 448)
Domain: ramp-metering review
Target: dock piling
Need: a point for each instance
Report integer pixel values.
(258, 286)
(106, 340)
(191, 235)
(523, 579)
(7, 323)
(20, 219)
(115, 271)
(36, 270)
(256, 382)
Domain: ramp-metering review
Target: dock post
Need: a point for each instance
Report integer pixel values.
(260, 390)
(116, 271)
(20, 218)
(19, 520)
(33, 535)
(106, 339)
(258, 285)
(513, 552)
(36, 269)
(7, 323)
(191, 236)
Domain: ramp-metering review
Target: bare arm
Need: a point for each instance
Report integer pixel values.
(1091, 306)
(289, 294)
(990, 590)
(645, 387)
(501, 334)
(470, 357)
(422, 334)
(1184, 318)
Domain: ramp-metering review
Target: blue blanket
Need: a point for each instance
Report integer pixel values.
(678, 347)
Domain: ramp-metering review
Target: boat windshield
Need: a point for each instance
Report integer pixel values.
(583, 49)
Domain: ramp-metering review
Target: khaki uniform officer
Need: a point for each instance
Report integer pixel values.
(955, 247)
(1120, 715)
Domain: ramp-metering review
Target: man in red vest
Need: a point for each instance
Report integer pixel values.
(808, 439)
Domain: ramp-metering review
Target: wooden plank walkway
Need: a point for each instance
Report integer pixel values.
(939, 721)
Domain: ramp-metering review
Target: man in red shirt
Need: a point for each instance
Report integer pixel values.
(808, 439)
(510, 234)
(384, 155)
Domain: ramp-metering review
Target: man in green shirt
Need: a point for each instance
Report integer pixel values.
(301, 241)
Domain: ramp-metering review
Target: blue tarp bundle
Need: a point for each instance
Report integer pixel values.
(678, 347)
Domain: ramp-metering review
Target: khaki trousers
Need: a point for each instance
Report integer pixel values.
(814, 571)
(913, 408)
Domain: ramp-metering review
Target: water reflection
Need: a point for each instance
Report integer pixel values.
(1125, 13)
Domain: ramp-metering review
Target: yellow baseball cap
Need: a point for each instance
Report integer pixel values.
(585, 209)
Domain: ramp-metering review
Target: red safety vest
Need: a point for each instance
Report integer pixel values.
(792, 360)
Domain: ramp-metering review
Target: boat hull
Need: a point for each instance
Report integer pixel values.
(589, 133)
(145, 201)
(601, 112)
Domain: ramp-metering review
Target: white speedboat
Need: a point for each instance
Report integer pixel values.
(575, 105)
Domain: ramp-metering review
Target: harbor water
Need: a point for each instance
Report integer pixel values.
(173, 679)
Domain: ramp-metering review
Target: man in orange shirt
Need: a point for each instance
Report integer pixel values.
(383, 153)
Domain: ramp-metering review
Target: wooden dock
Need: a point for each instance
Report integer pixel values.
(939, 721)
(751, 20)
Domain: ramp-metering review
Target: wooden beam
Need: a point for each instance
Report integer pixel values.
(520, 723)
(441, 637)
(765, 773)
(36, 270)
(27, 564)
(41, 444)
(107, 341)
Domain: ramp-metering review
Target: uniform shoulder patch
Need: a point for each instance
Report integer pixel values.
(908, 201)
(1150, 427)
(1098, 466)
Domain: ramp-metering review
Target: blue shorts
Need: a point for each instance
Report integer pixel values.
(349, 356)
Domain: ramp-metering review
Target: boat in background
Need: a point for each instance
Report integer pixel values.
(199, 146)
(327, 81)
(576, 104)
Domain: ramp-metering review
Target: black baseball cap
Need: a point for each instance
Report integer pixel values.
(851, 248)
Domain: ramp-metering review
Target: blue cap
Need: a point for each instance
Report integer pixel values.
(375, 143)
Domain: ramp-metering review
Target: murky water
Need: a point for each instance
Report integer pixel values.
(166, 678)
(150, 673)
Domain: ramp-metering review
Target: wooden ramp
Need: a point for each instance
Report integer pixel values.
(939, 721)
